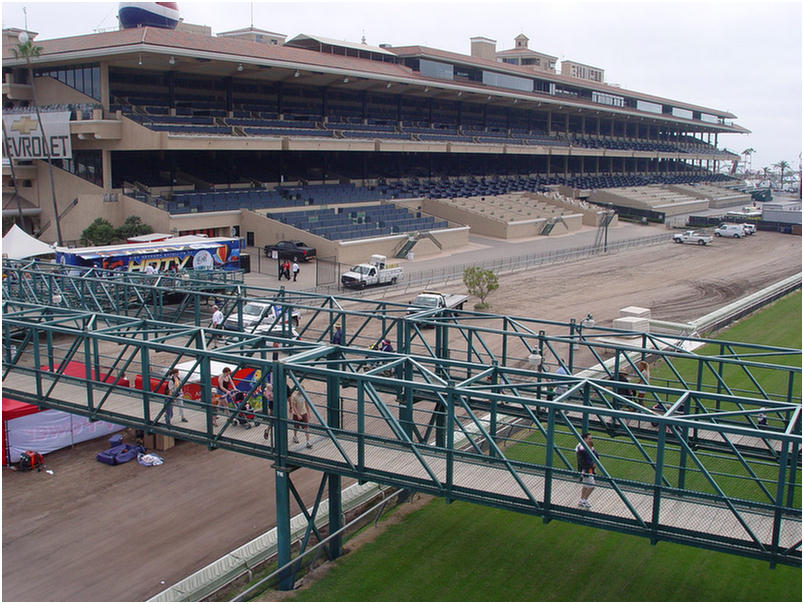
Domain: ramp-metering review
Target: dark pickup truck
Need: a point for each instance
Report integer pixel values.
(291, 250)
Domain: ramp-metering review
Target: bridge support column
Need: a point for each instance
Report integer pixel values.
(335, 515)
(286, 578)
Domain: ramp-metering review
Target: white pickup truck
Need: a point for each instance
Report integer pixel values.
(375, 272)
(259, 316)
(692, 237)
(428, 300)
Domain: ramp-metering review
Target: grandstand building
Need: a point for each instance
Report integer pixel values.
(349, 147)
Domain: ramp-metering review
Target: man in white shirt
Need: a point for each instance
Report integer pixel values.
(150, 269)
(295, 269)
(216, 323)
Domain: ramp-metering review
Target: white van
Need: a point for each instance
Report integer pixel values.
(730, 230)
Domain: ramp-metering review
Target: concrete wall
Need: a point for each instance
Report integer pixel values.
(353, 252)
(590, 216)
(480, 225)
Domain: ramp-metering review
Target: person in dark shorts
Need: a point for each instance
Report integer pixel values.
(586, 456)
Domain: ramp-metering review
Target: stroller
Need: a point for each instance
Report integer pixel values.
(245, 412)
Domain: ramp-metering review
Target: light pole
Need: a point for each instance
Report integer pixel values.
(27, 50)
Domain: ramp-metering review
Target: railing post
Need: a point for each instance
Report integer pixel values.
(145, 363)
(450, 440)
(570, 351)
(333, 418)
(779, 502)
(88, 367)
(657, 482)
(548, 462)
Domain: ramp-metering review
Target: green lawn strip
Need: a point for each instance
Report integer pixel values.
(465, 552)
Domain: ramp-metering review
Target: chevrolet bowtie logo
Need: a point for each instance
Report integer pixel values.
(25, 125)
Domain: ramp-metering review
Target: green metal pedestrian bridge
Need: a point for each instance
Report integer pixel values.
(470, 408)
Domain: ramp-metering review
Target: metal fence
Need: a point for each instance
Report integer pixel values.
(449, 273)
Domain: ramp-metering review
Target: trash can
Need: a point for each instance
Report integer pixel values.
(245, 263)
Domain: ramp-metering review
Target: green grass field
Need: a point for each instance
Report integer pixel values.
(460, 551)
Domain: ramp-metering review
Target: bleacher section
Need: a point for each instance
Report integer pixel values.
(719, 197)
(359, 222)
(657, 198)
(328, 194)
(200, 116)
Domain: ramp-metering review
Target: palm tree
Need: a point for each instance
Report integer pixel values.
(748, 152)
(782, 165)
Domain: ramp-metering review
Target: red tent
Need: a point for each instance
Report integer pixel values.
(12, 409)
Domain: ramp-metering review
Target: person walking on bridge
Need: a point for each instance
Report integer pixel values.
(586, 456)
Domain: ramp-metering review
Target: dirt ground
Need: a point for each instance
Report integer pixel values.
(92, 532)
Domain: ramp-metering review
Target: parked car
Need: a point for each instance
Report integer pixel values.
(291, 250)
(749, 228)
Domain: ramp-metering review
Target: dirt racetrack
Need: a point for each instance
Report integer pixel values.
(92, 532)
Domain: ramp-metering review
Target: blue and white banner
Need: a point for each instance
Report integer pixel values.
(26, 140)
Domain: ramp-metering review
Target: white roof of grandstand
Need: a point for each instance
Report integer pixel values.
(341, 43)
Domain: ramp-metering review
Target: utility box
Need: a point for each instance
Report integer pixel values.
(635, 311)
(632, 323)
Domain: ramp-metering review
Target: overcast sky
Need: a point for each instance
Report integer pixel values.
(741, 56)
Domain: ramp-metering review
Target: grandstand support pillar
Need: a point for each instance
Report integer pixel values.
(566, 166)
(566, 123)
(549, 124)
(106, 169)
(583, 125)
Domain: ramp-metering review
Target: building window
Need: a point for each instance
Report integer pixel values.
(84, 78)
(85, 164)
(646, 106)
(501, 80)
(434, 69)
(608, 99)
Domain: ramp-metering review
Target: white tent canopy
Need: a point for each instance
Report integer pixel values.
(17, 244)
